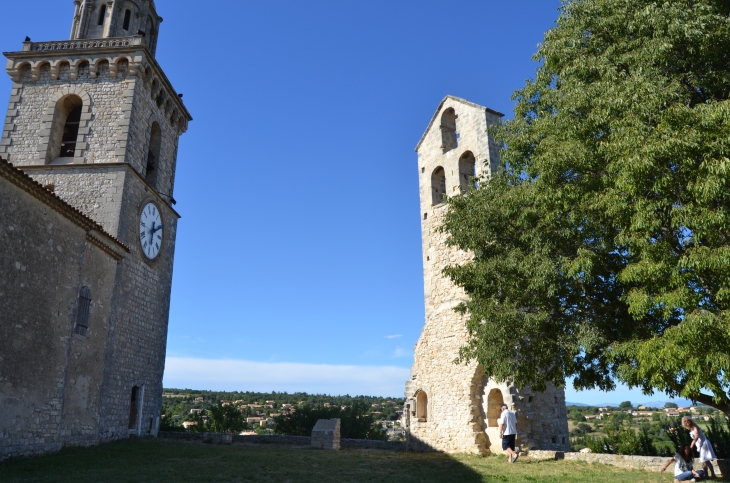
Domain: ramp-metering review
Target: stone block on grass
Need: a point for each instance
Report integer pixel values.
(326, 434)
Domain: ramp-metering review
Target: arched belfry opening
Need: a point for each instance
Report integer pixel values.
(449, 135)
(65, 130)
(102, 16)
(467, 171)
(153, 155)
(438, 186)
(422, 406)
(494, 407)
(127, 20)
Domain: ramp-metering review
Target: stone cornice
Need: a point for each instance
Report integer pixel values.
(126, 166)
(94, 232)
(142, 63)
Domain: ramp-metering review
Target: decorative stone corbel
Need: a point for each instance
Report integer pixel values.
(55, 70)
(135, 70)
(93, 70)
(113, 69)
(35, 72)
(74, 71)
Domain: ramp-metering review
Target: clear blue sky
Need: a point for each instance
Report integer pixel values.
(298, 261)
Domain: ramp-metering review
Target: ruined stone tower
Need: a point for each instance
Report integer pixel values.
(451, 407)
(87, 262)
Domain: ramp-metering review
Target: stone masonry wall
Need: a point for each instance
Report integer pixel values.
(50, 378)
(457, 394)
(137, 344)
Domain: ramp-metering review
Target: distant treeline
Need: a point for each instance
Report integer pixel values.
(212, 397)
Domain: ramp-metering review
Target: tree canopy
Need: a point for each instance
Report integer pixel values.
(602, 246)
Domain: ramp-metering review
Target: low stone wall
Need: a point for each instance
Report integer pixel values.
(273, 439)
(372, 444)
(647, 463)
(281, 440)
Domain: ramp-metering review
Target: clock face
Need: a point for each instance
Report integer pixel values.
(150, 231)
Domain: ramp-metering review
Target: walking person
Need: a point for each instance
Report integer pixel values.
(703, 445)
(684, 465)
(508, 432)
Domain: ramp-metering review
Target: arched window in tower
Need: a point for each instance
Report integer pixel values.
(153, 155)
(467, 171)
(494, 407)
(449, 136)
(65, 129)
(84, 309)
(438, 186)
(102, 15)
(422, 406)
(127, 19)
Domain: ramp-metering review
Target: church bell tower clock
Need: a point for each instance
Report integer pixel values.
(96, 120)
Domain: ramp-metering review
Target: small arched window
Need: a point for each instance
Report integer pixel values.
(153, 155)
(65, 129)
(438, 185)
(449, 136)
(422, 406)
(127, 19)
(82, 315)
(494, 407)
(467, 171)
(102, 15)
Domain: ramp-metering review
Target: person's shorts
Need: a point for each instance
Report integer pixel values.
(508, 441)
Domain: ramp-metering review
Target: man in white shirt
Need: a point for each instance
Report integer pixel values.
(508, 432)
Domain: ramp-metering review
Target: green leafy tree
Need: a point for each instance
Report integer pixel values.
(671, 405)
(626, 405)
(355, 422)
(602, 246)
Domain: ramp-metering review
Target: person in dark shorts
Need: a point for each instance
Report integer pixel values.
(508, 432)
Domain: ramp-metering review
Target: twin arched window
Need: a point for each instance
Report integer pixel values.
(467, 178)
(84, 309)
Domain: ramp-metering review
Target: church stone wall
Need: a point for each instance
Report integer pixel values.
(50, 379)
(459, 407)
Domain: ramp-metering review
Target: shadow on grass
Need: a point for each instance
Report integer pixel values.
(152, 460)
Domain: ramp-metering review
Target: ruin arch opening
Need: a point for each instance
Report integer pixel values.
(495, 400)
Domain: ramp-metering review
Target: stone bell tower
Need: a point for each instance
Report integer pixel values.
(96, 121)
(454, 407)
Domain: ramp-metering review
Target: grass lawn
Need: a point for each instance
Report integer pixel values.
(150, 460)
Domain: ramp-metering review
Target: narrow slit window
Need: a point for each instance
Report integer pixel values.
(71, 133)
(127, 19)
(422, 406)
(134, 408)
(82, 317)
(102, 15)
